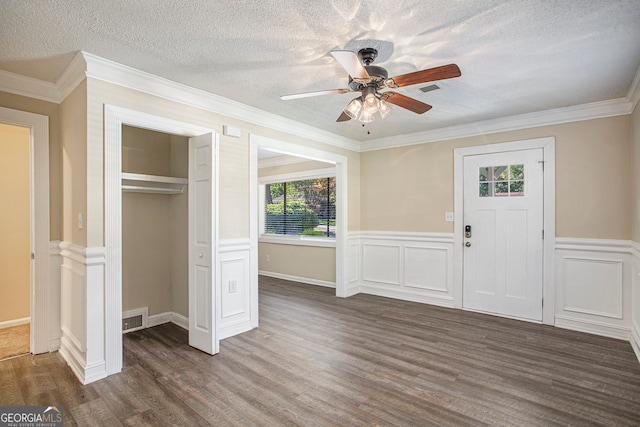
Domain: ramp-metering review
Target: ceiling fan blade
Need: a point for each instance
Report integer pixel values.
(316, 93)
(424, 76)
(406, 102)
(344, 117)
(350, 62)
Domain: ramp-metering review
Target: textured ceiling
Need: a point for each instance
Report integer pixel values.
(516, 56)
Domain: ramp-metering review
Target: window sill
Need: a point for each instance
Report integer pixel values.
(298, 240)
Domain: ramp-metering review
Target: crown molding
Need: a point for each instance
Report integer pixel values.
(29, 87)
(634, 91)
(594, 110)
(88, 65)
(122, 75)
(72, 76)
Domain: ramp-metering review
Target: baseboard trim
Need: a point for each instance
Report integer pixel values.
(289, 277)
(234, 329)
(77, 362)
(15, 322)
(635, 339)
(592, 327)
(168, 317)
(442, 301)
(180, 320)
(74, 361)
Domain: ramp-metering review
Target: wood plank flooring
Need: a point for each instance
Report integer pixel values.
(14, 341)
(317, 360)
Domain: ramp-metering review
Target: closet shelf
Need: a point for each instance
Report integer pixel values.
(140, 183)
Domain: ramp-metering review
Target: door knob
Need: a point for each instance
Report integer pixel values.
(468, 244)
(199, 254)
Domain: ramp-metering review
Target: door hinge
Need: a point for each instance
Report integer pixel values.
(542, 234)
(542, 302)
(33, 255)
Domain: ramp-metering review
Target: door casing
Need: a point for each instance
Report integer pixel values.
(548, 146)
(45, 307)
(114, 118)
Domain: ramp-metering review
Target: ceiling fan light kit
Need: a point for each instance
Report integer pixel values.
(369, 80)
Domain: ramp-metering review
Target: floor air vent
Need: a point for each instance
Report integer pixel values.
(133, 320)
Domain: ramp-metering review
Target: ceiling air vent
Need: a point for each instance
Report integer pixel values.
(429, 88)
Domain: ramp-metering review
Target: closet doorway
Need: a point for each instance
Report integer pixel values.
(155, 229)
(202, 229)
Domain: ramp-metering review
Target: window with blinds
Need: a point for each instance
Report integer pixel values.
(305, 208)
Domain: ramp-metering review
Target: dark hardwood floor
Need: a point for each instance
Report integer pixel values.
(317, 360)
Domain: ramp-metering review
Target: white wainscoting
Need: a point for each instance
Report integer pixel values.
(635, 299)
(82, 308)
(409, 266)
(235, 311)
(593, 286)
(55, 277)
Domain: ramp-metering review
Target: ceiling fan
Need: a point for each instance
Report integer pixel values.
(369, 80)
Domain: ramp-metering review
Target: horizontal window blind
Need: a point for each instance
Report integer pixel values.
(304, 208)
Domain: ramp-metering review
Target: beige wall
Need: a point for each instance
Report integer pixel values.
(73, 119)
(411, 188)
(636, 176)
(51, 110)
(154, 226)
(309, 262)
(234, 152)
(15, 226)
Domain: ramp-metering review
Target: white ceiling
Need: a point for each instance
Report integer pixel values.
(516, 56)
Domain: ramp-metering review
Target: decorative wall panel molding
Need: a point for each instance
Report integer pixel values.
(55, 278)
(409, 266)
(593, 286)
(635, 299)
(234, 301)
(82, 308)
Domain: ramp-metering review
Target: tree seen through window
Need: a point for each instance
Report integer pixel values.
(306, 207)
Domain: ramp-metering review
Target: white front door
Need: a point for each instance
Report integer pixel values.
(503, 220)
(202, 328)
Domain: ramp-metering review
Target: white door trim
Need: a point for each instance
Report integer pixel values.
(42, 314)
(548, 146)
(340, 161)
(114, 118)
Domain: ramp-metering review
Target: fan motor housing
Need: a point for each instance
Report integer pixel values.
(376, 76)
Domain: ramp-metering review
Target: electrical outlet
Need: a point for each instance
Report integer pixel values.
(80, 221)
(268, 258)
(233, 286)
(448, 216)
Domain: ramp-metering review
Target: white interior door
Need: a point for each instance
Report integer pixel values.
(503, 254)
(202, 328)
